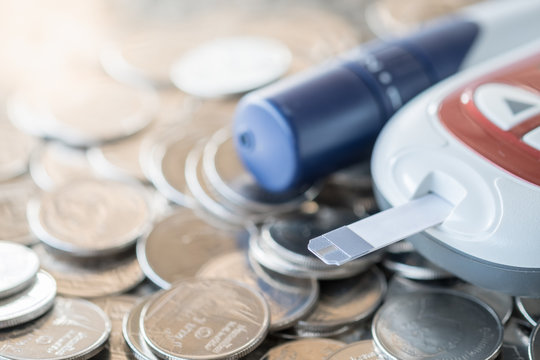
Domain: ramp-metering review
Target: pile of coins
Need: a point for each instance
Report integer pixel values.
(129, 228)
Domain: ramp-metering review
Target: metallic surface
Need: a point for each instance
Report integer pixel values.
(437, 325)
(205, 319)
(73, 330)
(18, 267)
(30, 303)
(90, 218)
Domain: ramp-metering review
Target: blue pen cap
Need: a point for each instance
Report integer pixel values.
(283, 134)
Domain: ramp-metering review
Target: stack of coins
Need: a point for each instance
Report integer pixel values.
(120, 190)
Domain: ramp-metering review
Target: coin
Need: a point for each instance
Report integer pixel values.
(437, 325)
(100, 110)
(412, 265)
(54, 164)
(289, 298)
(362, 350)
(74, 329)
(29, 303)
(205, 319)
(529, 308)
(92, 277)
(230, 65)
(15, 149)
(305, 349)
(89, 218)
(132, 332)
(534, 347)
(179, 245)
(13, 199)
(347, 301)
(233, 184)
(163, 160)
(18, 267)
(205, 196)
(116, 307)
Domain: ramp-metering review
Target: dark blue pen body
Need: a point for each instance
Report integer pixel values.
(309, 125)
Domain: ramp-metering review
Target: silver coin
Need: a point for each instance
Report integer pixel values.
(205, 196)
(347, 301)
(412, 265)
(235, 185)
(53, 165)
(205, 319)
(289, 298)
(437, 325)
(14, 197)
(18, 267)
(516, 340)
(362, 350)
(15, 149)
(288, 237)
(73, 330)
(180, 244)
(228, 66)
(305, 349)
(29, 303)
(269, 258)
(132, 332)
(92, 277)
(89, 218)
(529, 308)
(116, 308)
(100, 110)
(534, 347)
(163, 160)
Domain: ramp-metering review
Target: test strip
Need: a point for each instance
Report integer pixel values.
(382, 229)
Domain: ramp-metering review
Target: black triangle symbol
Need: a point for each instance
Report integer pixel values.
(517, 106)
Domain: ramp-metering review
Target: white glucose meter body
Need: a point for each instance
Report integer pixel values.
(474, 140)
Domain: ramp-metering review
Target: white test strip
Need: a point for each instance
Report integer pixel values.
(382, 229)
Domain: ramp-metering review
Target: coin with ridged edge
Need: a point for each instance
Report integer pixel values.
(74, 329)
(205, 319)
(305, 349)
(18, 267)
(437, 325)
(30, 303)
(90, 218)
